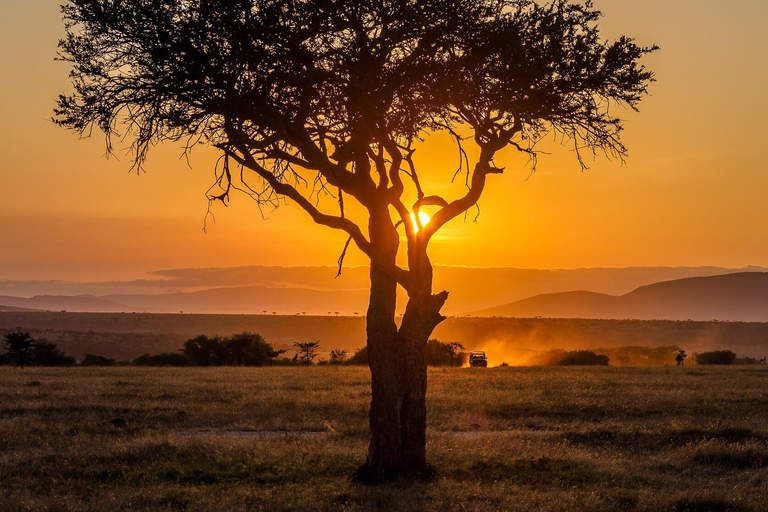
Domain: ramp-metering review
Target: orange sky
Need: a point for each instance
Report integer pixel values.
(693, 192)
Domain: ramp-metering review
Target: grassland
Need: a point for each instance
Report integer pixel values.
(682, 439)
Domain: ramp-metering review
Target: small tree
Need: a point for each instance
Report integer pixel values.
(18, 345)
(680, 358)
(274, 354)
(338, 357)
(307, 351)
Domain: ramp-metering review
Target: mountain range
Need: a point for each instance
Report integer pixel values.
(641, 292)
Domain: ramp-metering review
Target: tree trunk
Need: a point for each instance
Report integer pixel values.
(398, 415)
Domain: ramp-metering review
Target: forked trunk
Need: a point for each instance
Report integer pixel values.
(398, 415)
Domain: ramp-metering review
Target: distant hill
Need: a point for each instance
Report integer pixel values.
(315, 290)
(79, 303)
(12, 308)
(735, 297)
(250, 299)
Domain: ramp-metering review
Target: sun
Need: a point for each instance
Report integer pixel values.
(423, 217)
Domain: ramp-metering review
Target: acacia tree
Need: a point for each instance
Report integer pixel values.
(315, 98)
(307, 350)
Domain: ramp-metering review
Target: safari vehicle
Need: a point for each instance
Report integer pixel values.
(478, 359)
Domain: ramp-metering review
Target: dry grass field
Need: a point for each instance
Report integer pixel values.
(680, 439)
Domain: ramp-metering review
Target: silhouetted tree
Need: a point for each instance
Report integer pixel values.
(443, 354)
(307, 351)
(274, 354)
(336, 95)
(250, 349)
(680, 358)
(205, 351)
(45, 353)
(338, 357)
(18, 345)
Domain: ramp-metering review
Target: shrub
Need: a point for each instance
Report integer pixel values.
(205, 351)
(338, 357)
(164, 359)
(444, 354)
(641, 356)
(749, 361)
(559, 357)
(583, 358)
(45, 353)
(94, 360)
(249, 349)
(360, 357)
(437, 354)
(718, 357)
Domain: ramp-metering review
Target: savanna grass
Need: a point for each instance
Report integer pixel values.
(290, 438)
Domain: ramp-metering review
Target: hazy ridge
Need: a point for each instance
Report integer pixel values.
(317, 291)
(735, 297)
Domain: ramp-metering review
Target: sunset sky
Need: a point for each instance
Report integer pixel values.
(693, 191)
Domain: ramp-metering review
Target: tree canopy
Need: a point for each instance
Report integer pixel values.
(312, 98)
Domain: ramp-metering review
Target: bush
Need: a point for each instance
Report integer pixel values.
(437, 354)
(205, 351)
(718, 357)
(583, 358)
(749, 361)
(94, 360)
(574, 358)
(338, 357)
(244, 349)
(360, 357)
(641, 356)
(444, 354)
(250, 349)
(164, 359)
(45, 353)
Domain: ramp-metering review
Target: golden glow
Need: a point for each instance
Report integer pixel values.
(423, 218)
